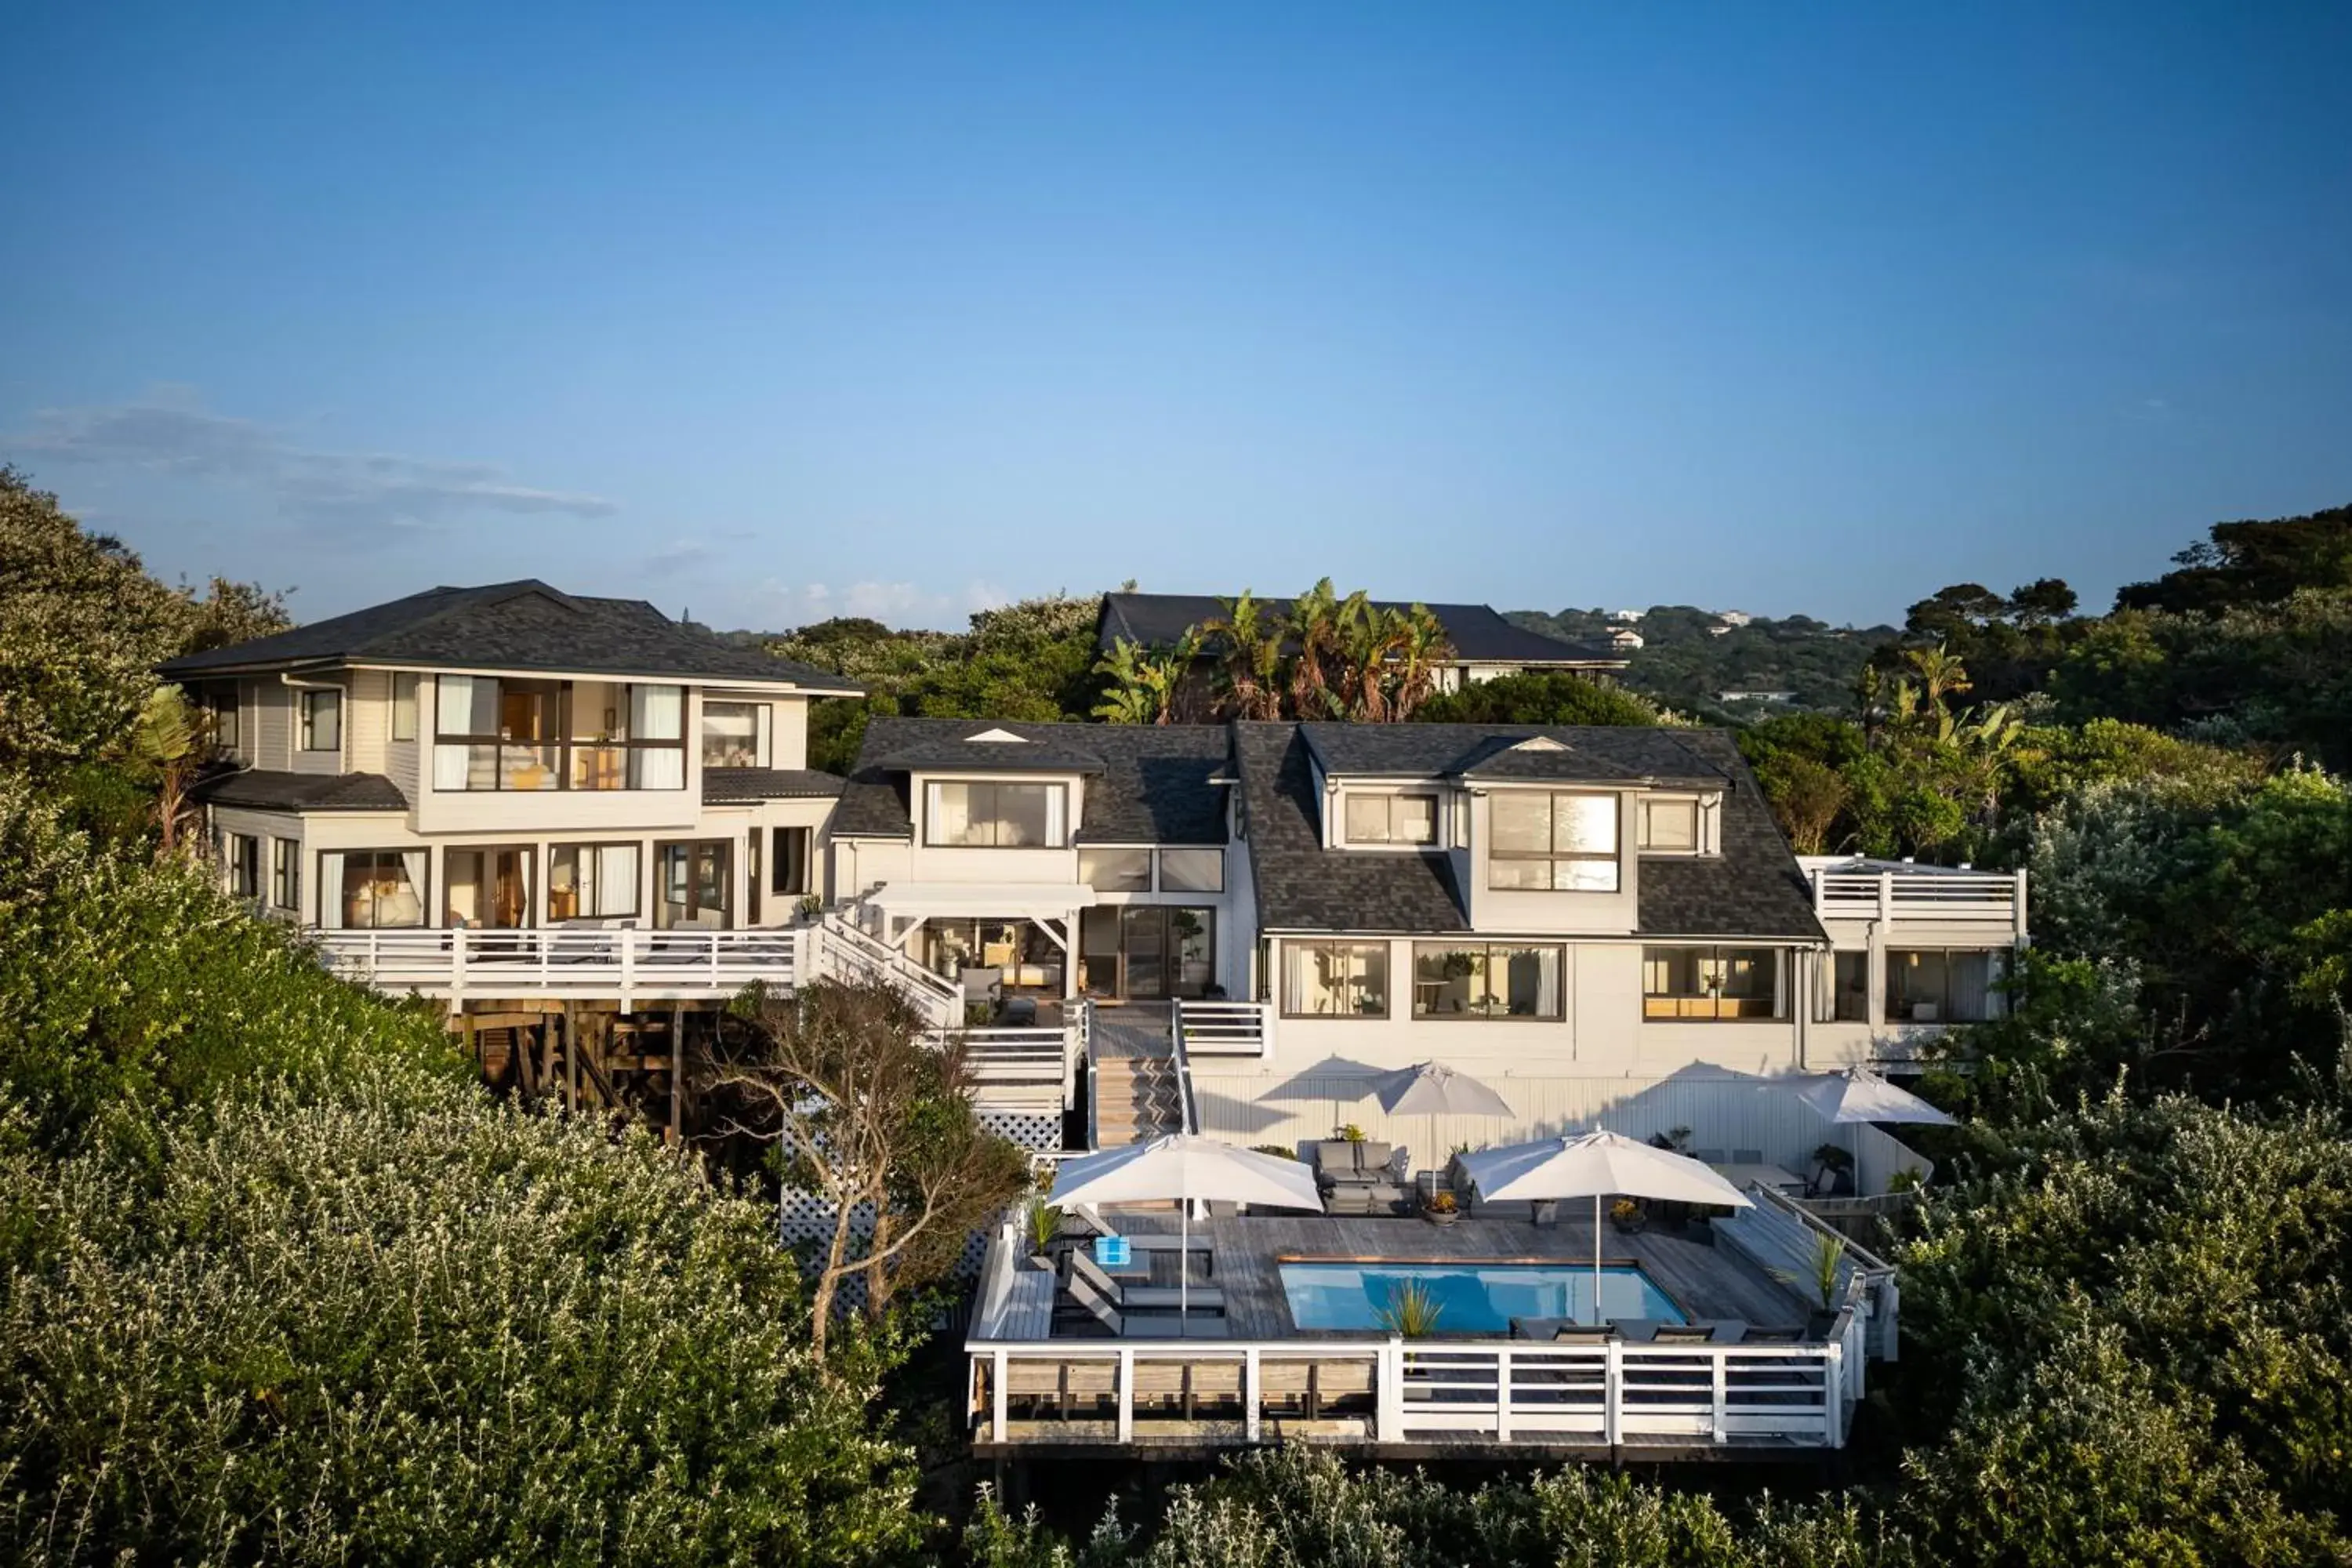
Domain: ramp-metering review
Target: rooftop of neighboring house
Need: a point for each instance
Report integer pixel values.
(1478, 632)
(1145, 784)
(521, 625)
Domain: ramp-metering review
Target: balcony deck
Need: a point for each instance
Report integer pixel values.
(1890, 892)
(1041, 1386)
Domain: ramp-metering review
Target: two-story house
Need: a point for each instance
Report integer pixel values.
(458, 789)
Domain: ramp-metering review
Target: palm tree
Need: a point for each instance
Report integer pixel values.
(1313, 631)
(1422, 647)
(1361, 648)
(1941, 674)
(1249, 662)
(169, 744)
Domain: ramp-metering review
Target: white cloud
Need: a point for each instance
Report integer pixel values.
(320, 490)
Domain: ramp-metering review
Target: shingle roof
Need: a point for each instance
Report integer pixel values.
(1152, 784)
(524, 625)
(1590, 754)
(945, 754)
(742, 786)
(1478, 632)
(263, 790)
(1301, 885)
(1753, 889)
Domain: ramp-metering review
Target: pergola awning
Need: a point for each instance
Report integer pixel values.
(983, 900)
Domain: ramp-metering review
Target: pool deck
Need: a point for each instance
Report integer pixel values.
(1245, 1258)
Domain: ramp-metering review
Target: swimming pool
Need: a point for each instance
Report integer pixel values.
(1472, 1299)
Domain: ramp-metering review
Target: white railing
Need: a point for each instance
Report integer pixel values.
(562, 962)
(1396, 1392)
(1094, 1073)
(1015, 1069)
(1920, 895)
(1188, 1116)
(1225, 1028)
(841, 951)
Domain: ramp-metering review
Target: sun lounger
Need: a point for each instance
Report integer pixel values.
(1129, 1298)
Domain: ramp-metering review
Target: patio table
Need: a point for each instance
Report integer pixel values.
(1775, 1178)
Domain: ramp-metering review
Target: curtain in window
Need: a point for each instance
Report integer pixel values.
(1057, 806)
(615, 887)
(330, 891)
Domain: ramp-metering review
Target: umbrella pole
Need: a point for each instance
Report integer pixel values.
(1596, 1260)
(1184, 1269)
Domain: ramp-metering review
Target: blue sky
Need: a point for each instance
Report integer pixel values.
(774, 312)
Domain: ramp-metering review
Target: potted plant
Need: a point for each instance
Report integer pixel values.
(1413, 1311)
(1626, 1214)
(1820, 1279)
(1351, 1133)
(1441, 1207)
(1044, 1222)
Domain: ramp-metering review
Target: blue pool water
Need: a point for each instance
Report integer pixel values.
(1471, 1300)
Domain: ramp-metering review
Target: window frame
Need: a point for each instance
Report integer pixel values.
(224, 707)
(404, 702)
(753, 710)
(308, 700)
(285, 874)
(422, 894)
(1150, 867)
(1554, 857)
(573, 846)
(1776, 996)
(1698, 808)
(1389, 799)
(1300, 950)
(779, 863)
(1051, 787)
(564, 743)
(1215, 852)
(241, 858)
(1558, 950)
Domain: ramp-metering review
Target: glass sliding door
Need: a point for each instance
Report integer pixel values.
(1143, 942)
(692, 884)
(487, 888)
(1147, 952)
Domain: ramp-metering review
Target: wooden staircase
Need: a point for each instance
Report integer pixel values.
(1137, 1094)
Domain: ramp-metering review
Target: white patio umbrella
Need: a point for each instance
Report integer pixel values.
(1434, 1089)
(1187, 1168)
(1597, 1166)
(1860, 1095)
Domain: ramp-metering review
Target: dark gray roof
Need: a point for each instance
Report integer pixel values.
(1153, 786)
(944, 755)
(1590, 754)
(1478, 632)
(512, 626)
(1754, 889)
(1301, 885)
(742, 786)
(262, 790)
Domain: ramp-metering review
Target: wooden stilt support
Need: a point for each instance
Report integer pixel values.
(546, 1032)
(677, 1074)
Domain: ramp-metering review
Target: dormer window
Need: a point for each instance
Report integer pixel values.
(1553, 842)
(1391, 819)
(1670, 825)
(977, 816)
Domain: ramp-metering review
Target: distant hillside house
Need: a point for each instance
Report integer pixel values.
(1755, 697)
(1625, 639)
(1484, 645)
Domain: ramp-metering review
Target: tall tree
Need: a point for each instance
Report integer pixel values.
(871, 1116)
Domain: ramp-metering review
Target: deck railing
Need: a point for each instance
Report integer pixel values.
(841, 951)
(562, 962)
(1029, 1069)
(1225, 1028)
(1936, 894)
(1396, 1392)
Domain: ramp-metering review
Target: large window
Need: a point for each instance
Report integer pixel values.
(1849, 988)
(996, 816)
(323, 720)
(404, 706)
(243, 853)
(1935, 985)
(1561, 843)
(730, 734)
(285, 874)
(1335, 980)
(1391, 819)
(1115, 870)
(373, 888)
(1191, 870)
(1711, 983)
(1486, 980)
(497, 735)
(691, 886)
(591, 881)
(221, 707)
(1670, 826)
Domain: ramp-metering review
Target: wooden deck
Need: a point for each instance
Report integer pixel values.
(1246, 1254)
